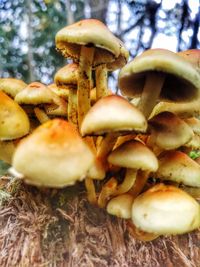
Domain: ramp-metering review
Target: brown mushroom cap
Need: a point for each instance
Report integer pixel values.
(113, 114)
(53, 155)
(133, 154)
(182, 81)
(88, 32)
(169, 132)
(14, 122)
(165, 210)
(178, 167)
(67, 75)
(11, 86)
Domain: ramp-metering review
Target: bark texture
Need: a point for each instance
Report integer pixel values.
(60, 228)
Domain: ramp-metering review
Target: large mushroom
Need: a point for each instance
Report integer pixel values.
(159, 73)
(91, 44)
(52, 155)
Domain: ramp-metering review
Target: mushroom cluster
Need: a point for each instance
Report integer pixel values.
(131, 151)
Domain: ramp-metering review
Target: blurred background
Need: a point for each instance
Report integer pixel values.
(28, 28)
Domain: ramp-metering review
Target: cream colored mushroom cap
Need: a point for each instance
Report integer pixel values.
(14, 122)
(64, 93)
(169, 132)
(67, 75)
(88, 32)
(133, 154)
(113, 114)
(192, 56)
(52, 155)
(11, 86)
(166, 210)
(182, 80)
(120, 206)
(182, 109)
(178, 167)
(35, 93)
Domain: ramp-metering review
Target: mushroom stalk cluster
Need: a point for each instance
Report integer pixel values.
(131, 155)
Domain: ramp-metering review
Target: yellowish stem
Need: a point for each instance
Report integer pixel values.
(84, 81)
(127, 183)
(41, 115)
(106, 192)
(101, 81)
(141, 179)
(151, 91)
(106, 145)
(91, 193)
(72, 106)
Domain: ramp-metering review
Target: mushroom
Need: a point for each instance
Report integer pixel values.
(120, 206)
(165, 210)
(134, 156)
(168, 131)
(11, 86)
(66, 78)
(37, 94)
(91, 44)
(178, 167)
(192, 56)
(112, 115)
(194, 143)
(14, 123)
(52, 155)
(159, 73)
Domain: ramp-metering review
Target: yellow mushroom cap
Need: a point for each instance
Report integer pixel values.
(179, 167)
(168, 131)
(11, 86)
(35, 93)
(182, 81)
(52, 155)
(67, 75)
(120, 206)
(192, 56)
(134, 154)
(112, 114)
(90, 32)
(14, 122)
(62, 92)
(165, 210)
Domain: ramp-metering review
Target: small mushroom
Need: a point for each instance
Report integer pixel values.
(165, 210)
(134, 156)
(157, 74)
(52, 155)
(91, 44)
(11, 86)
(178, 167)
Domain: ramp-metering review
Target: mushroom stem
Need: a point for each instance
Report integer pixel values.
(151, 92)
(106, 146)
(72, 106)
(41, 115)
(127, 183)
(101, 81)
(84, 81)
(139, 184)
(91, 193)
(106, 192)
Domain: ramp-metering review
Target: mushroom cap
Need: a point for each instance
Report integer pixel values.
(7, 149)
(120, 206)
(182, 80)
(88, 32)
(192, 56)
(165, 210)
(169, 131)
(182, 109)
(52, 155)
(113, 114)
(67, 75)
(35, 93)
(59, 108)
(64, 93)
(178, 167)
(14, 122)
(11, 86)
(133, 154)
(194, 123)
